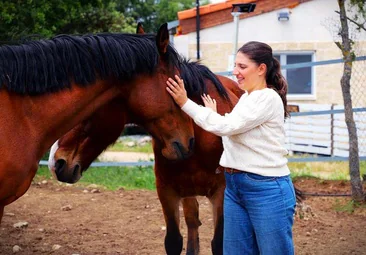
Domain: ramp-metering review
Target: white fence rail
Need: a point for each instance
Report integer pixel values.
(325, 134)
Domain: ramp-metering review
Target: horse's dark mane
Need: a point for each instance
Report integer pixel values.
(38, 67)
(195, 77)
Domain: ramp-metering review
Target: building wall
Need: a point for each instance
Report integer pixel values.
(309, 29)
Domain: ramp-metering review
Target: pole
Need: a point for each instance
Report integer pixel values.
(198, 27)
(236, 23)
(235, 42)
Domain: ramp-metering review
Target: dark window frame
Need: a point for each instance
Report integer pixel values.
(283, 60)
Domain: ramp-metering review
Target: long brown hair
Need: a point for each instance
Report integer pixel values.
(262, 53)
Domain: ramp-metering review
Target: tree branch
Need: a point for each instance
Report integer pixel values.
(354, 22)
(339, 45)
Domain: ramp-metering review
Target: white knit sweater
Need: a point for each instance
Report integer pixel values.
(253, 133)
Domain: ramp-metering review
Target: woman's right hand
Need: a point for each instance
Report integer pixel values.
(177, 91)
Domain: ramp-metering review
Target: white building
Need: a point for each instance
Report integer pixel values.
(307, 35)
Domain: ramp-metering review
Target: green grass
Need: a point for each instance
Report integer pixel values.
(348, 206)
(324, 170)
(121, 146)
(113, 178)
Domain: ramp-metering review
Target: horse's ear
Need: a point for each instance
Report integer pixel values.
(162, 38)
(140, 29)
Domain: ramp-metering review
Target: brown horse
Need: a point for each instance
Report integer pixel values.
(175, 181)
(48, 87)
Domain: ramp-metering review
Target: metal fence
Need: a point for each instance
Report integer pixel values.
(359, 99)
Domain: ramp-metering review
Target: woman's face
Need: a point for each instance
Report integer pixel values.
(247, 72)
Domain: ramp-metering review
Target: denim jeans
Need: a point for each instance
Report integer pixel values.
(258, 214)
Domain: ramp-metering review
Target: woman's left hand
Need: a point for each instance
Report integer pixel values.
(177, 91)
(209, 102)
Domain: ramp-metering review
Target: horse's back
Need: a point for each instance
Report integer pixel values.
(231, 86)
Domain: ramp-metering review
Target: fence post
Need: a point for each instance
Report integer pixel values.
(332, 132)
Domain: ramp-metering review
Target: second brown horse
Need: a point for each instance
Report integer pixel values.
(176, 181)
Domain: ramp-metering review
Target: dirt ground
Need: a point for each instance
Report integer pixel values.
(69, 220)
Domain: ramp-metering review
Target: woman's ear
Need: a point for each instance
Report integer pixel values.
(262, 69)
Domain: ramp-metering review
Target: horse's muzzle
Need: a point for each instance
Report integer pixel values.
(64, 175)
(181, 151)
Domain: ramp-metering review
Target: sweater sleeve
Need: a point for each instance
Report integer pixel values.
(250, 112)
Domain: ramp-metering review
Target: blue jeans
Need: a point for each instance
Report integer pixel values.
(258, 214)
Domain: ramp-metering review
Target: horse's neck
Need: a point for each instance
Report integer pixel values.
(223, 105)
(208, 143)
(44, 118)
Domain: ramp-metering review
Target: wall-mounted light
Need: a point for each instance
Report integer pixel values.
(236, 11)
(283, 16)
(243, 7)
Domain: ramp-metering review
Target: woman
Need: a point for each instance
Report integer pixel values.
(259, 201)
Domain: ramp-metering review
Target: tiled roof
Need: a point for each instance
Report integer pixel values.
(220, 13)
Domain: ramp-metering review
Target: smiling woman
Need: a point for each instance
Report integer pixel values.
(254, 156)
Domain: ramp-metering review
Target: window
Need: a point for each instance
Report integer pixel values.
(300, 80)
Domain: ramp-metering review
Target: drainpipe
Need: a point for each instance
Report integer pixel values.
(198, 28)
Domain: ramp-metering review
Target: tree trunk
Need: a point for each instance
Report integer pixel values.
(354, 162)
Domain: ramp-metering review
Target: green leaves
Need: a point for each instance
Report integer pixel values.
(359, 15)
(50, 17)
(46, 18)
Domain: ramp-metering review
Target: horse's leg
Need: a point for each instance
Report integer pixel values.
(190, 209)
(170, 203)
(217, 201)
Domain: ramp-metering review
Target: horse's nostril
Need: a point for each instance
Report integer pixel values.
(182, 152)
(191, 144)
(59, 165)
(179, 149)
(76, 170)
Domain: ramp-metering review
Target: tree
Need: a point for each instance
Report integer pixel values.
(102, 18)
(153, 13)
(348, 55)
(20, 18)
(140, 11)
(359, 18)
(167, 9)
